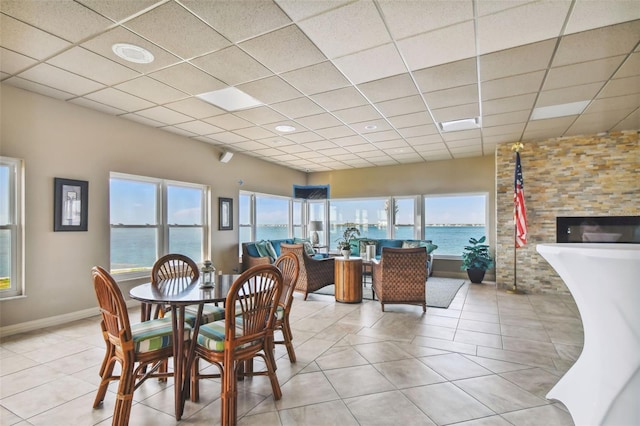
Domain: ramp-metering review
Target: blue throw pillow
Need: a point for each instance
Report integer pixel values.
(272, 251)
(261, 246)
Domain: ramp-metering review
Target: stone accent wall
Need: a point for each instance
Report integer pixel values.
(596, 175)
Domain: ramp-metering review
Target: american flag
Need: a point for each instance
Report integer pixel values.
(519, 212)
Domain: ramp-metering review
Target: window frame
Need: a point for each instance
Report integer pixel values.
(16, 227)
(162, 227)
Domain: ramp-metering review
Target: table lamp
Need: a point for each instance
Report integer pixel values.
(315, 226)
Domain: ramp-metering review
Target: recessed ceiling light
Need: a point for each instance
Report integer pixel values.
(562, 110)
(133, 53)
(457, 125)
(230, 99)
(285, 128)
(370, 127)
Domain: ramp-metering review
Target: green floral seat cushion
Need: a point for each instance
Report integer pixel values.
(210, 313)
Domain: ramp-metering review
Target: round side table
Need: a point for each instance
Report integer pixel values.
(348, 279)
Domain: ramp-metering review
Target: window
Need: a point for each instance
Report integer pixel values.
(297, 218)
(245, 213)
(370, 215)
(404, 219)
(11, 228)
(272, 217)
(452, 219)
(152, 217)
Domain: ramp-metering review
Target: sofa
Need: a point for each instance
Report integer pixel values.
(265, 252)
(358, 247)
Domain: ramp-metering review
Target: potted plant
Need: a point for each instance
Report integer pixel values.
(476, 259)
(344, 243)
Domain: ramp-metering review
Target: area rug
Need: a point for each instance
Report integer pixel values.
(440, 291)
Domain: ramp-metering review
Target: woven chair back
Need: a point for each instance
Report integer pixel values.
(174, 266)
(113, 308)
(289, 265)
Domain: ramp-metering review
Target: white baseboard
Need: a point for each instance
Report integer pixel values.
(41, 323)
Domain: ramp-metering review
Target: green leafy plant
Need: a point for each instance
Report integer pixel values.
(350, 233)
(476, 255)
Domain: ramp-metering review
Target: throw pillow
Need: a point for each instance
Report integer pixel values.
(430, 247)
(272, 251)
(410, 244)
(308, 248)
(261, 246)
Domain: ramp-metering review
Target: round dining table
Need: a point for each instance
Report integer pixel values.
(179, 293)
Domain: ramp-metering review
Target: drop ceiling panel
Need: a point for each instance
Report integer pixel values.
(458, 112)
(90, 65)
(583, 73)
(335, 132)
(88, 103)
(187, 78)
(371, 64)
(300, 107)
(199, 127)
(177, 31)
(232, 65)
(283, 50)
(62, 80)
(13, 63)
(195, 108)
(620, 87)
(270, 90)
(358, 114)
(567, 95)
(316, 78)
(505, 118)
(348, 29)
(517, 60)
(451, 97)
(339, 99)
(402, 106)
(511, 86)
(261, 115)
(119, 99)
(409, 120)
(459, 73)
(164, 115)
(151, 90)
(228, 138)
(319, 121)
(630, 67)
(228, 122)
(27, 40)
(117, 10)
(38, 88)
(508, 104)
(395, 87)
(239, 20)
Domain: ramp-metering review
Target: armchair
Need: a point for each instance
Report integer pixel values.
(314, 273)
(400, 276)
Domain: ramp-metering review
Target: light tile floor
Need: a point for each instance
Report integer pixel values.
(489, 359)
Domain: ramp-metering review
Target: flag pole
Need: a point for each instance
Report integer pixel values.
(516, 147)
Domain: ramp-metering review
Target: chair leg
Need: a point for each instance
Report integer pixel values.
(424, 308)
(382, 304)
(275, 385)
(106, 371)
(124, 398)
(288, 337)
(195, 380)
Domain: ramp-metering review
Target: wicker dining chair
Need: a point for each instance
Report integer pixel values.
(178, 265)
(290, 267)
(401, 276)
(250, 316)
(147, 344)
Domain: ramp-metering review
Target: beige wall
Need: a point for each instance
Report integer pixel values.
(596, 175)
(59, 139)
(467, 175)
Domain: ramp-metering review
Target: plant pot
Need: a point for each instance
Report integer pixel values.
(346, 253)
(476, 275)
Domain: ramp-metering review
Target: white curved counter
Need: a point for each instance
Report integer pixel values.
(603, 386)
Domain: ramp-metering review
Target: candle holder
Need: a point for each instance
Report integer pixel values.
(207, 275)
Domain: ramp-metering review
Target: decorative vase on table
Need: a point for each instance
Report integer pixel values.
(344, 243)
(346, 254)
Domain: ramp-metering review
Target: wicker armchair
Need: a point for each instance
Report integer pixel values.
(314, 273)
(401, 276)
(249, 261)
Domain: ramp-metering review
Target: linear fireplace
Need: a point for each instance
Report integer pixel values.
(598, 229)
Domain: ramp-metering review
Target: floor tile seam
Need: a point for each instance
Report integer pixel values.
(53, 407)
(519, 362)
(550, 356)
(524, 366)
(516, 384)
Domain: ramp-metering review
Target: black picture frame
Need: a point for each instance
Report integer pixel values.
(225, 214)
(70, 205)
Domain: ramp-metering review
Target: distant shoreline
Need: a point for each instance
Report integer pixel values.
(450, 225)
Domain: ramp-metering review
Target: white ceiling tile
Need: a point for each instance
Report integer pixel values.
(54, 17)
(408, 120)
(13, 63)
(526, 24)
(335, 132)
(632, 121)
(349, 141)
(471, 136)
(296, 108)
(459, 73)
(391, 144)
(88, 64)
(402, 106)
(228, 122)
(620, 87)
(60, 79)
(503, 130)
(348, 29)
(512, 86)
(296, 149)
(568, 94)
(438, 47)
(358, 114)
(227, 138)
(371, 64)
(419, 142)
(38, 88)
(319, 121)
(505, 118)
(151, 90)
(452, 97)
(232, 65)
(630, 67)
(117, 10)
(409, 132)
(187, 78)
(178, 131)
(371, 126)
(509, 104)
(315, 146)
(339, 99)
(177, 31)
(261, 115)
(517, 60)
(410, 18)
(599, 43)
(333, 152)
(303, 137)
(270, 90)
(164, 115)
(254, 133)
(488, 7)
(365, 147)
(299, 10)
(382, 136)
(583, 73)
(316, 78)
(119, 99)
(142, 120)
(399, 86)
(102, 45)
(592, 14)
(239, 20)
(283, 50)
(457, 112)
(194, 107)
(199, 127)
(88, 103)
(27, 40)
(625, 102)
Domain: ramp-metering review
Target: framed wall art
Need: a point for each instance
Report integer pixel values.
(225, 214)
(70, 205)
